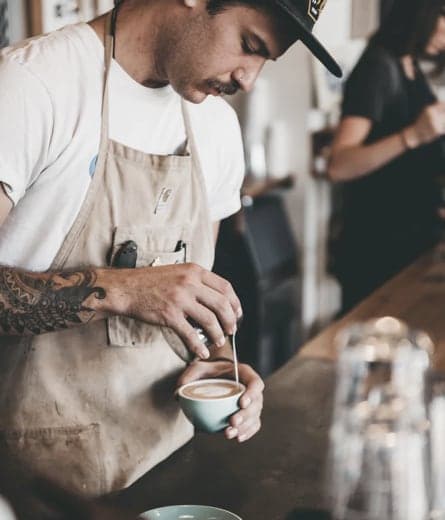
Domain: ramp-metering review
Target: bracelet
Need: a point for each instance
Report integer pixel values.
(406, 142)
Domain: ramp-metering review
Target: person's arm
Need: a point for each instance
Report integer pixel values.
(34, 303)
(350, 158)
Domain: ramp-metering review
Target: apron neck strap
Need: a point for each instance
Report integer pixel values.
(109, 50)
(190, 146)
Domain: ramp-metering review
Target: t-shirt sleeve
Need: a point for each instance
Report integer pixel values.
(370, 87)
(224, 196)
(25, 128)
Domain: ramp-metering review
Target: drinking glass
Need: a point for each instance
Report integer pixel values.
(378, 461)
(437, 444)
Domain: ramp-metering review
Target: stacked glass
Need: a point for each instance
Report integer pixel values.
(379, 450)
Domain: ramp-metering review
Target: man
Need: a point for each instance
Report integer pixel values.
(111, 187)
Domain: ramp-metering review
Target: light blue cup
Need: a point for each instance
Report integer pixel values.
(210, 415)
(189, 513)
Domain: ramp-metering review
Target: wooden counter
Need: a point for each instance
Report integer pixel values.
(279, 474)
(416, 295)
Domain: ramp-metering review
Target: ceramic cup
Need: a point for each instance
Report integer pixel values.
(189, 512)
(209, 403)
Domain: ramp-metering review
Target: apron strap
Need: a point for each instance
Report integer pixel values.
(109, 49)
(190, 144)
(82, 217)
(192, 149)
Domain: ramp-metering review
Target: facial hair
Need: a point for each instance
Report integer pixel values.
(226, 89)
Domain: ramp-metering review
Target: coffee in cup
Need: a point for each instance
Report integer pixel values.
(209, 403)
(211, 389)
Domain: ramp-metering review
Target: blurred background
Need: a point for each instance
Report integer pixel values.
(275, 249)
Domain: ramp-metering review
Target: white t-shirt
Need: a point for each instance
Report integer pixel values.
(50, 106)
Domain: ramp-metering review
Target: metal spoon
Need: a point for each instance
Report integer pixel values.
(235, 359)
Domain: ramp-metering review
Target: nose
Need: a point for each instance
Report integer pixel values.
(246, 76)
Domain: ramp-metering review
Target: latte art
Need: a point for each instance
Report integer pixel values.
(211, 390)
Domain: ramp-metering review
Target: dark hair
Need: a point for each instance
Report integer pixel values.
(217, 6)
(408, 27)
(282, 21)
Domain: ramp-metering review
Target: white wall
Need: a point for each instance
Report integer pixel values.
(290, 91)
(17, 24)
(57, 13)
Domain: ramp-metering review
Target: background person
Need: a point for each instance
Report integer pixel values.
(387, 152)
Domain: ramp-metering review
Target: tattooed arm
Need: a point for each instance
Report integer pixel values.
(33, 303)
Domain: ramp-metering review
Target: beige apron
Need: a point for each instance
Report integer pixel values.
(93, 406)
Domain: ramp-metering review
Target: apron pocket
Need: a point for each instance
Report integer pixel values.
(71, 456)
(155, 247)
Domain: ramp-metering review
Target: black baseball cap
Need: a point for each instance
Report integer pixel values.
(305, 13)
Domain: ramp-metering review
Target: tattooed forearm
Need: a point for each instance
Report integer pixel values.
(34, 303)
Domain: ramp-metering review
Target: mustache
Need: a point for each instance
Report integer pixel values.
(227, 89)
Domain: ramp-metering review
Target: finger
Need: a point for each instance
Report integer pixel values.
(438, 112)
(205, 370)
(244, 435)
(190, 337)
(225, 288)
(207, 320)
(221, 308)
(253, 382)
(230, 432)
(241, 420)
(254, 429)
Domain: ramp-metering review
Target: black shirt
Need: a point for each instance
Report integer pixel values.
(401, 198)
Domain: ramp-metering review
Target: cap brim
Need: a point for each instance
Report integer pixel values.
(311, 41)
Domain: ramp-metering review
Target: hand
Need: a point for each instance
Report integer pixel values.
(429, 125)
(245, 423)
(168, 295)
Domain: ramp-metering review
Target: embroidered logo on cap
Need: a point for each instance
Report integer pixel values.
(315, 7)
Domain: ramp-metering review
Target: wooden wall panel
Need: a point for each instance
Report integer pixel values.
(34, 9)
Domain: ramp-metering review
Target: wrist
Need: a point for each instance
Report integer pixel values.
(116, 301)
(409, 138)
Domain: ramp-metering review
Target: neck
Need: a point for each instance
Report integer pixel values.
(137, 39)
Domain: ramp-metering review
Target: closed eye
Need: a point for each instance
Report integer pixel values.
(247, 47)
(259, 47)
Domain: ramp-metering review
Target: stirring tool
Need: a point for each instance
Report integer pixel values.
(235, 359)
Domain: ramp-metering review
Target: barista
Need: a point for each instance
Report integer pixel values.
(116, 150)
